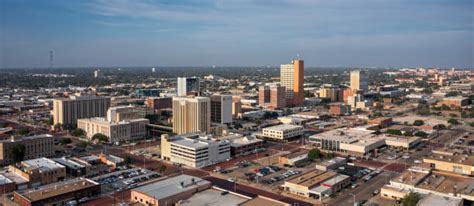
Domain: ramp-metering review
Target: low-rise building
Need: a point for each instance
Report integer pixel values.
(316, 184)
(73, 168)
(194, 150)
(338, 109)
(294, 158)
(111, 160)
(457, 163)
(40, 171)
(458, 101)
(59, 193)
(243, 145)
(382, 122)
(159, 103)
(115, 131)
(35, 147)
(406, 142)
(169, 191)
(331, 164)
(282, 132)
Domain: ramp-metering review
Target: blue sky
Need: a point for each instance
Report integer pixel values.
(354, 33)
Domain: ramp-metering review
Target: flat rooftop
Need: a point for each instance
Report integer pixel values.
(462, 159)
(195, 141)
(57, 189)
(213, 197)
(312, 178)
(346, 135)
(283, 127)
(446, 183)
(238, 140)
(43, 164)
(171, 186)
(433, 199)
(410, 177)
(259, 201)
(68, 163)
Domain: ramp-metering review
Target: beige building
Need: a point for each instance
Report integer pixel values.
(123, 123)
(334, 94)
(191, 114)
(39, 171)
(194, 150)
(282, 132)
(67, 111)
(292, 78)
(456, 163)
(169, 191)
(115, 131)
(316, 184)
(35, 147)
(358, 81)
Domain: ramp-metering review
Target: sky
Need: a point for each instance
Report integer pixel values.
(325, 33)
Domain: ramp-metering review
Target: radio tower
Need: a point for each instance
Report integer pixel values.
(50, 59)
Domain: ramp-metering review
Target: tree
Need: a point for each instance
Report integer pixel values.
(411, 199)
(78, 132)
(237, 125)
(308, 94)
(127, 160)
(453, 121)
(394, 132)
(82, 144)
(17, 153)
(23, 131)
(440, 127)
(100, 137)
(471, 124)
(330, 155)
(314, 154)
(162, 168)
(65, 141)
(418, 122)
(421, 134)
(452, 94)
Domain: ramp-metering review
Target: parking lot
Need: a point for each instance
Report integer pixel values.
(124, 179)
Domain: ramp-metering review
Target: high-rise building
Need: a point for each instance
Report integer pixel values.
(359, 81)
(98, 73)
(188, 86)
(221, 109)
(66, 111)
(191, 114)
(158, 103)
(236, 106)
(272, 96)
(332, 93)
(292, 78)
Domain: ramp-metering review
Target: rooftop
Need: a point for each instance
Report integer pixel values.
(346, 135)
(433, 199)
(312, 178)
(463, 159)
(57, 189)
(283, 127)
(43, 164)
(68, 163)
(171, 186)
(213, 197)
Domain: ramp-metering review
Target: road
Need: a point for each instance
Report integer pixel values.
(363, 192)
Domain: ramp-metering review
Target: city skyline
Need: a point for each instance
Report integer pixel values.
(233, 33)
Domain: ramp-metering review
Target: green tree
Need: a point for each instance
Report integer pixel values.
(411, 199)
(440, 127)
(65, 141)
(471, 124)
(17, 152)
(394, 132)
(78, 132)
(308, 94)
(314, 154)
(452, 94)
(162, 168)
(453, 121)
(418, 122)
(127, 160)
(23, 131)
(330, 155)
(100, 137)
(421, 134)
(82, 144)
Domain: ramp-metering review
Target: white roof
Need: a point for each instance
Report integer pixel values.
(283, 127)
(43, 164)
(171, 186)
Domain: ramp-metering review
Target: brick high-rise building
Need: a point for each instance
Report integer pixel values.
(272, 96)
(292, 77)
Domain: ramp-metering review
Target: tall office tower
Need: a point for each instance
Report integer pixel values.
(292, 77)
(236, 106)
(359, 81)
(272, 96)
(191, 114)
(66, 111)
(188, 86)
(221, 109)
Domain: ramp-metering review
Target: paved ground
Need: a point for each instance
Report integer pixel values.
(363, 192)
